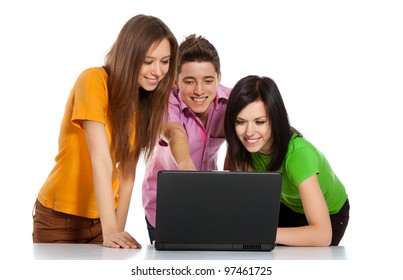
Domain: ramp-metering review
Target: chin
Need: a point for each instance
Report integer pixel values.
(252, 149)
(149, 88)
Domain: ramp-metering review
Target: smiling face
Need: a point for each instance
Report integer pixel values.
(253, 129)
(198, 83)
(155, 66)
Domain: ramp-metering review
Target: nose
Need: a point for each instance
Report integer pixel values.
(250, 129)
(157, 69)
(198, 89)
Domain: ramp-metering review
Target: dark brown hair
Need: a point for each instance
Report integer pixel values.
(131, 108)
(197, 49)
(246, 91)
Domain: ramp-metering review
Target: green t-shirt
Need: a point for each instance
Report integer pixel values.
(301, 162)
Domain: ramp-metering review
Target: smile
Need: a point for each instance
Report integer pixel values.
(252, 141)
(199, 100)
(153, 81)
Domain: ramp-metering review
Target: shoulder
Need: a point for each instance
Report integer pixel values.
(93, 73)
(298, 142)
(91, 79)
(174, 93)
(174, 97)
(301, 150)
(302, 159)
(223, 91)
(91, 85)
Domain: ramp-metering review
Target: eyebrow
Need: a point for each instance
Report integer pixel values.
(168, 56)
(254, 118)
(194, 78)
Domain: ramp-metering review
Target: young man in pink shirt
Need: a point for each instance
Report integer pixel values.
(195, 130)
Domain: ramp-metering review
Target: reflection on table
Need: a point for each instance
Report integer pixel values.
(98, 252)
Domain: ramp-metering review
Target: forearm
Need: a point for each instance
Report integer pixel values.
(125, 193)
(101, 163)
(102, 170)
(175, 136)
(304, 236)
(102, 176)
(179, 147)
(123, 206)
(318, 232)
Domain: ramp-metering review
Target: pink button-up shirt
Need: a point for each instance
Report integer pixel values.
(204, 143)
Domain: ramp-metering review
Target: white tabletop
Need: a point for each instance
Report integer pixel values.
(98, 252)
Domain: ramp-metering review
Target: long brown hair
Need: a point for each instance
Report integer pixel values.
(131, 108)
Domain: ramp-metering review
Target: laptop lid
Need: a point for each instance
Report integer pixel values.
(217, 210)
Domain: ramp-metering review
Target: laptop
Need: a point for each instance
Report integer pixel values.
(217, 210)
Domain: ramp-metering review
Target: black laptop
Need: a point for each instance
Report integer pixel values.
(217, 210)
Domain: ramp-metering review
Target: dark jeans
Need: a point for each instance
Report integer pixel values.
(289, 218)
(151, 231)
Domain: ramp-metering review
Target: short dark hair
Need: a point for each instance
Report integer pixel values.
(199, 49)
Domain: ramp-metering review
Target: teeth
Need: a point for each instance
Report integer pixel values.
(199, 99)
(252, 140)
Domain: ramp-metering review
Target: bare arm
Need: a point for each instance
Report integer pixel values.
(318, 232)
(126, 183)
(101, 162)
(175, 135)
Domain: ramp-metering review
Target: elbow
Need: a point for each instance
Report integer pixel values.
(323, 234)
(173, 132)
(324, 240)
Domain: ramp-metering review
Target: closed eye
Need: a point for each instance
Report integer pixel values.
(188, 82)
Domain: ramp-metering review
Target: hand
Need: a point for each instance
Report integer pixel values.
(187, 165)
(120, 240)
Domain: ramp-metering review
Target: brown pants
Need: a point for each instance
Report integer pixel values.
(51, 226)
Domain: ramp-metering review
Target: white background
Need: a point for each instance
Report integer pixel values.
(338, 65)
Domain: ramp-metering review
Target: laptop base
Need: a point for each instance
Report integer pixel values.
(213, 247)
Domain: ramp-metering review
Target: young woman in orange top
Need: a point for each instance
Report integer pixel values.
(113, 115)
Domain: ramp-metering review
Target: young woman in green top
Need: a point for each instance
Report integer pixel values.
(314, 204)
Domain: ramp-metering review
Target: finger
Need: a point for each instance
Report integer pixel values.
(131, 241)
(127, 243)
(111, 245)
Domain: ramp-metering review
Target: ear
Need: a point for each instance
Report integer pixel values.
(219, 77)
